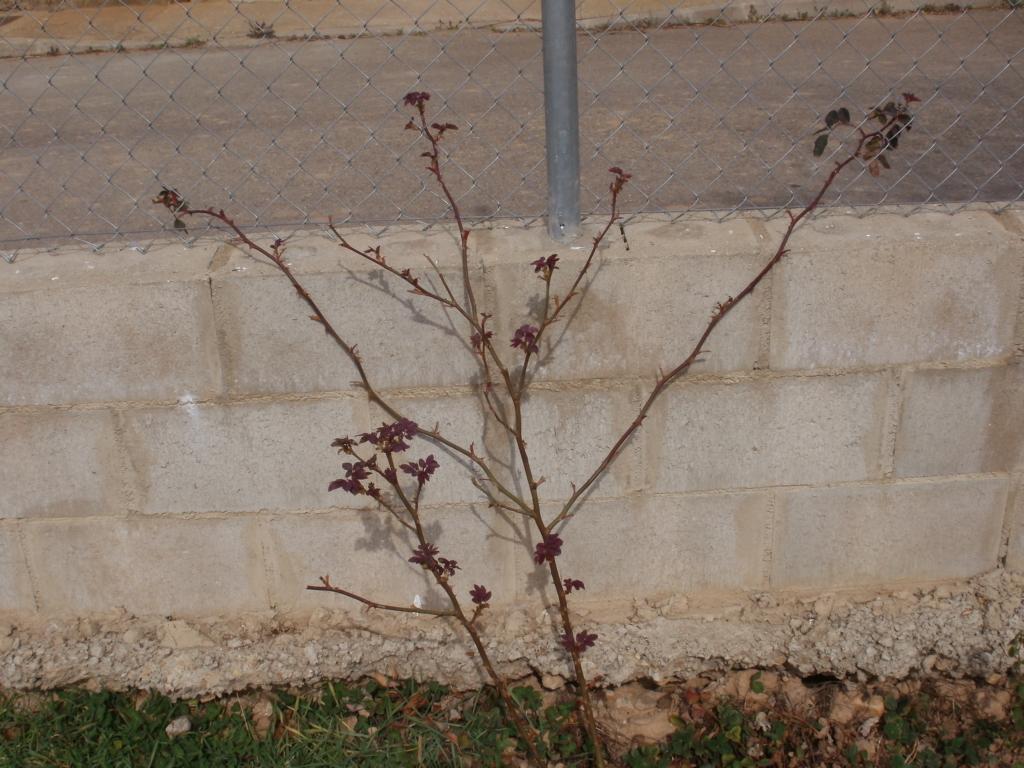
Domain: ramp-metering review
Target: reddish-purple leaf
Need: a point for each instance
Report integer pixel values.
(422, 470)
(572, 585)
(480, 594)
(545, 264)
(548, 549)
(525, 338)
(416, 99)
(580, 643)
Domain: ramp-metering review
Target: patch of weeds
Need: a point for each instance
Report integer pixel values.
(193, 42)
(841, 14)
(947, 8)
(261, 30)
(390, 725)
(383, 724)
(558, 726)
(925, 730)
(343, 725)
(727, 736)
(918, 734)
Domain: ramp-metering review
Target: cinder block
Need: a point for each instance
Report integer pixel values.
(460, 419)
(124, 342)
(65, 268)
(568, 433)
(271, 345)
(232, 458)
(159, 566)
(640, 547)
(877, 534)
(765, 432)
(59, 464)
(653, 236)
(889, 289)
(15, 586)
(640, 310)
(1015, 524)
(368, 553)
(961, 421)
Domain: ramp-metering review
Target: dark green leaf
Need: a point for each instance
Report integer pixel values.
(527, 697)
(819, 145)
(831, 118)
(844, 116)
(755, 683)
(893, 136)
(872, 148)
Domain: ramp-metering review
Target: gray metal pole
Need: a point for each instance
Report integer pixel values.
(561, 117)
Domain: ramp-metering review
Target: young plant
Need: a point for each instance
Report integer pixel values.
(375, 463)
(261, 30)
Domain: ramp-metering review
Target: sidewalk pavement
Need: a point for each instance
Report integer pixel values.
(291, 132)
(121, 27)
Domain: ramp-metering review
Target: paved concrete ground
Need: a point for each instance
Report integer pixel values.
(34, 26)
(704, 116)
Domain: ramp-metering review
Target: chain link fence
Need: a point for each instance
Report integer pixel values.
(288, 112)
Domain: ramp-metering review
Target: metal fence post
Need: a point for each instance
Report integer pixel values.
(561, 117)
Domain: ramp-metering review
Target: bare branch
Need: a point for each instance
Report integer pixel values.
(326, 586)
(721, 310)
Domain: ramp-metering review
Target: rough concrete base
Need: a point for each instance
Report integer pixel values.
(959, 629)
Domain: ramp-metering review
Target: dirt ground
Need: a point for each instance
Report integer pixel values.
(830, 719)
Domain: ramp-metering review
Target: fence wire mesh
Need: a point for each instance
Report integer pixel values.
(287, 112)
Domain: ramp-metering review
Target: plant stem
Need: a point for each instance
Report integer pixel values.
(527, 733)
(583, 692)
(721, 310)
(275, 255)
(326, 586)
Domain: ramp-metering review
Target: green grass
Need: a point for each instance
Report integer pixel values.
(339, 725)
(411, 724)
(343, 725)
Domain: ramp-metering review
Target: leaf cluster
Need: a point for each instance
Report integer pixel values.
(894, 118)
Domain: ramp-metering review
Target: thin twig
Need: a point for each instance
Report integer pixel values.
(350, 350)
(720, 311)
(326, 586)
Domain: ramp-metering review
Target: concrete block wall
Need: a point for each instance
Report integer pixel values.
(166, 418)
